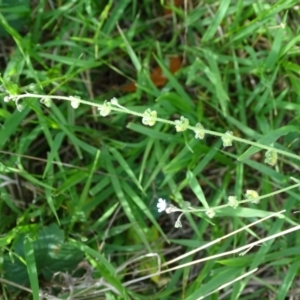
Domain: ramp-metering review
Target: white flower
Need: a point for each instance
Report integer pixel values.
(161, 205)
(6, 99)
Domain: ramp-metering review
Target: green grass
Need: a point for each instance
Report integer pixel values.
(79, 191)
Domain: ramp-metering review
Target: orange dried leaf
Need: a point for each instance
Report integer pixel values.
(129, 87)
(175, 64)
(157, 76)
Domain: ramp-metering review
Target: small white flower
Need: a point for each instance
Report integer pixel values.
(161, 205)
(6, 99)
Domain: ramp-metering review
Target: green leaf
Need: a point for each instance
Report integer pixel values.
(54, 150)
(123, 200)
(126, 167)
(291, 273)
(31, 267)
(196, 188)
(11, 87)
(175, 100)
(216, 21)
(221, 276)
(175, 83)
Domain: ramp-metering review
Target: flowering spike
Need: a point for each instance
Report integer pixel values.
(233, 202)
(271, 157)
(227, 139)
(149, 117)
(253, 196)
(105, 109)
(182, 124)
(199, 131)
(75, 102)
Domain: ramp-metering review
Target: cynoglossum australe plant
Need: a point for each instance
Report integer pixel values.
(240, 75)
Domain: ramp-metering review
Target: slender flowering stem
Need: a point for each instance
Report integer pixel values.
(122, 109)
(170, 208)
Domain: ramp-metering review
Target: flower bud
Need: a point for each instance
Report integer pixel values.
(271, 157)
(233, 202)
(149, 117)
(253, 196)
(227, 139)
(75, 102)
(105, 109)
(20, 107)
(178, 224)
(46, 101)
(199, 131)
(210, 213)
(182, 124)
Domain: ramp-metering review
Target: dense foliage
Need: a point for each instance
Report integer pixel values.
(149, 149)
